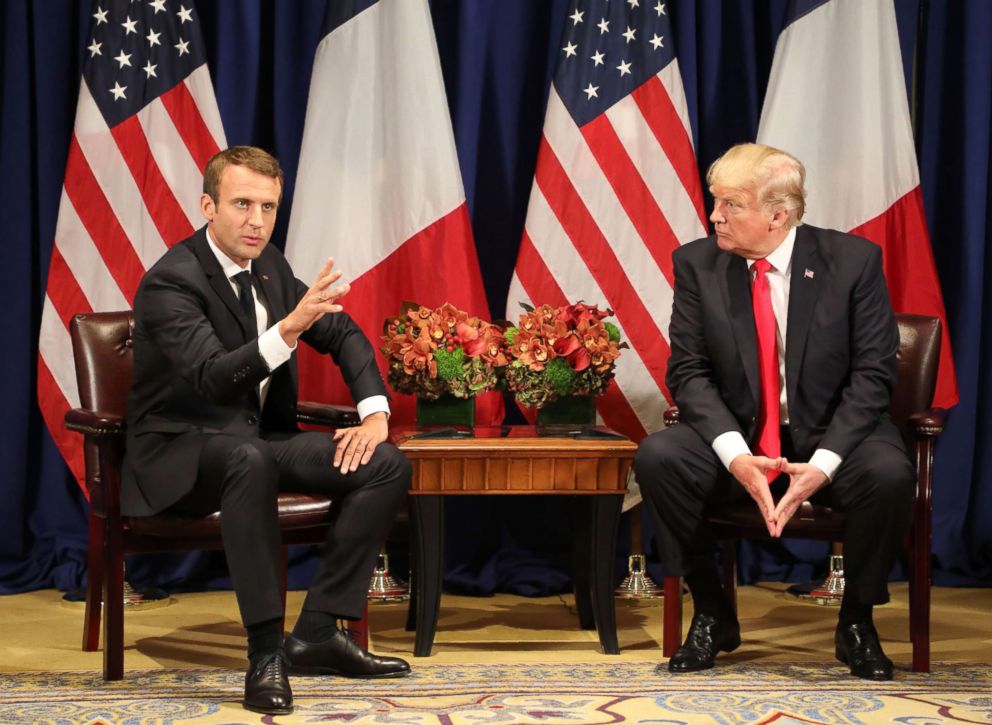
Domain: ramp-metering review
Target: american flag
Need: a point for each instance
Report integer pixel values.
(146, 124)
(616, 190)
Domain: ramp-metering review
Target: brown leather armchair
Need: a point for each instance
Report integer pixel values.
(102, 349)
(919, 352)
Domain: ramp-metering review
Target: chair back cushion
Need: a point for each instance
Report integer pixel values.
(919, 353)
(102, 350)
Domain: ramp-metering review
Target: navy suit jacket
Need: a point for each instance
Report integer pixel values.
(197, 367)
(841, 343)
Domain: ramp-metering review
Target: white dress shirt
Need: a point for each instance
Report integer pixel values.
(271, 346)
(731, 444)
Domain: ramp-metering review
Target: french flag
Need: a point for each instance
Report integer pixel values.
(379, 187)
(836, 100)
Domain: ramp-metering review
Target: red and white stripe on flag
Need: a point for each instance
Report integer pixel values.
(837, 101)
(379, 187)
(616, 190)
(146, 124)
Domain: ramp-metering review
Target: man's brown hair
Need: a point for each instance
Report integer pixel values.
(251, 157)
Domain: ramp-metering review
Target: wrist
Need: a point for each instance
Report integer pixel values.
(289, 332)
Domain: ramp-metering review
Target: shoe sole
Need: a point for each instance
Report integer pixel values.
(842, 658)
(727, 647)
(268, 710)
(317, 671)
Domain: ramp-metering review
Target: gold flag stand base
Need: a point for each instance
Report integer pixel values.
(638, 584)
(827, 593)
(384, 587)
(134, 601)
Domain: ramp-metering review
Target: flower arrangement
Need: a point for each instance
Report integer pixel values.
(442, 351)
(561, 351)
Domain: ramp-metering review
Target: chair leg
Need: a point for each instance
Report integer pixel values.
(671, 628)
(283, 578)
(360, 629)
(919, 601)
(113, 603)
(94, 584)
(729, 562)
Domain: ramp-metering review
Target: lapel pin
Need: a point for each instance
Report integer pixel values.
(808, 274)
(266, 277)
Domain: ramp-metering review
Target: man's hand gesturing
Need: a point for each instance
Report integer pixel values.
(319, 300)
(752, 473)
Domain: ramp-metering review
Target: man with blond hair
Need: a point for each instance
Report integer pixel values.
(783, 362)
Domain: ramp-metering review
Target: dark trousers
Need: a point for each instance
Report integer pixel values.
(682, 478)
(242, 478)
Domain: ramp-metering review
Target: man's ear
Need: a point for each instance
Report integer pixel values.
(207, 207)
(779, 219)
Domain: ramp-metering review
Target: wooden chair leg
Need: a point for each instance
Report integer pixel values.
(360, 629)
(94, 584)
(283, 578)
(919, 602)
(671, 628)
(729, 562)
(113, 603)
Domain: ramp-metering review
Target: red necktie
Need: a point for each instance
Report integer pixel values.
(769, 436)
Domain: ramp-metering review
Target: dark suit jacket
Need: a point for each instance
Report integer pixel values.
(197, 367)
(841, 343)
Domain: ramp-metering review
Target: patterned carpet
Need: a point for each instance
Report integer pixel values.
(585, 694)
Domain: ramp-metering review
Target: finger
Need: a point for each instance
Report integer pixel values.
(324, 272)
(327, 280)
(361, 444)
(349, 454)
(369, 450)
(342, 439)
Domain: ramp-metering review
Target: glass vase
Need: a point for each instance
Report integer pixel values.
(568, 410)
(446, 410)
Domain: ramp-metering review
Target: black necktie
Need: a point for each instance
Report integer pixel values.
(243, 280)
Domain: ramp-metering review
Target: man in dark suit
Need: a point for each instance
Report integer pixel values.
(783, 361)
(212, 424)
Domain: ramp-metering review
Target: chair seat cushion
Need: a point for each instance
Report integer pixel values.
(743, 521)
(296, 510)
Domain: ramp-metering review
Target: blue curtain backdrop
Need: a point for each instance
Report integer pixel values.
(498, 59)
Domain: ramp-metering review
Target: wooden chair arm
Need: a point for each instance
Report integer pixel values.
(94, 423)
(928, 423)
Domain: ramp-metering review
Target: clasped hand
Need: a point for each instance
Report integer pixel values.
(804, 480)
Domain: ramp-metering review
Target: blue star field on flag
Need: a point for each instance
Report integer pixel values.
(610, 47)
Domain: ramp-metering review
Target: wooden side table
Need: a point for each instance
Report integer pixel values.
(592, 467)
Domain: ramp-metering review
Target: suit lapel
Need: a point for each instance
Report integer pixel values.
(737, 296)
(220, 284)
(804, 286)
(271, 286)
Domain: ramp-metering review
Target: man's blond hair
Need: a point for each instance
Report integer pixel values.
(776, 178)
(250, 157)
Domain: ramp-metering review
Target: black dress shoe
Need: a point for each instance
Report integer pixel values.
(340, 655)
(858, 647)
(707, 636)
(267, 685)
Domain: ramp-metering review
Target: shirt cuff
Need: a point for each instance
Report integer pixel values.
(729, 445)
(273, 348)
(826, 461)
(373, 404)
